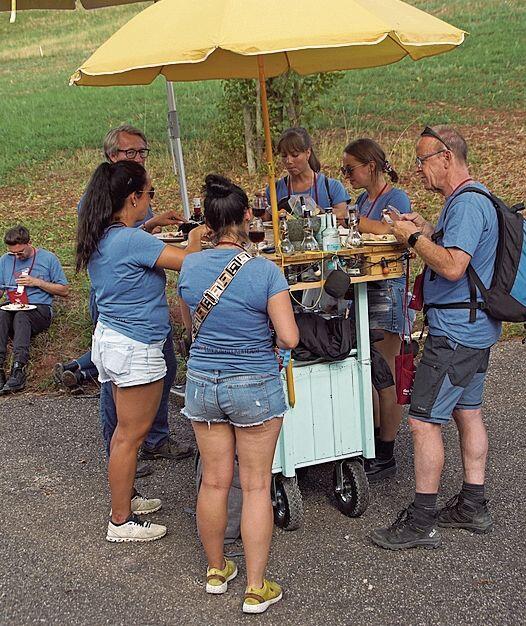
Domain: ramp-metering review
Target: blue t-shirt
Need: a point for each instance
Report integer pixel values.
(128, 287)
(46, 266)
(469, 222)
(395, 197)
(235, 336)
(336, 190)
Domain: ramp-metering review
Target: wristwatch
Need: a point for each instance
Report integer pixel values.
(412, 239)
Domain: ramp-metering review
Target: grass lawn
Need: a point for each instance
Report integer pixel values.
(51, 133)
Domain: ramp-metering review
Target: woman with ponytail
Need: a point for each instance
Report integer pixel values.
(303, 173)
(366, 167)
(234, 394)
(125, 266)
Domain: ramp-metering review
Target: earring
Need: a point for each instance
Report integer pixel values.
(134, 204)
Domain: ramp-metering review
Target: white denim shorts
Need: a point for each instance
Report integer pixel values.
(124, 361)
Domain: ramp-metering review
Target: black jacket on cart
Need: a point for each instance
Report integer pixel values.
(332, 340)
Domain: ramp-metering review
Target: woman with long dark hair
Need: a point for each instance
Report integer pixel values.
(234, 393)
(125, 266)
(365, 166)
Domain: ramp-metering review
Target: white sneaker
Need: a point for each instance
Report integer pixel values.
(142, 506)
(135, 530)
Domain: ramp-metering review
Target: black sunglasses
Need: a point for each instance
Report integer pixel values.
(150, 192)
(429, 132)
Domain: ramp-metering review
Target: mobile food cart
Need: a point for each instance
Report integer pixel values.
(221, 39)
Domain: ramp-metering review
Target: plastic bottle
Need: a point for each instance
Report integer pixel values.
(330, 236)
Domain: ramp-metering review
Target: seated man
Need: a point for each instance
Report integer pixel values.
(29, 276)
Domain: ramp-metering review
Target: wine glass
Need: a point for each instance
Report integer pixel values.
(256, 234)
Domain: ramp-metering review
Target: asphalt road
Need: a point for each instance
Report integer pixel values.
(57, 568)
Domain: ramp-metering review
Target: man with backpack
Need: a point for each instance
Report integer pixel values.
(459, 252)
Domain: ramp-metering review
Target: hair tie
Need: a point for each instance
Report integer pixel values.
(387, 166)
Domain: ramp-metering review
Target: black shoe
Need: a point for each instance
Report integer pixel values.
(17, 379)
(378, 469)
(410, 530)
(460, 512)
(178, 390)
(143, 469)
(71, 379)
(167, 450)
(2, 377)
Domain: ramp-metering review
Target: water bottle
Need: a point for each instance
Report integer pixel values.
(330, 236)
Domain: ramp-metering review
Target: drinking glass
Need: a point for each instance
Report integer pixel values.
(256, 234)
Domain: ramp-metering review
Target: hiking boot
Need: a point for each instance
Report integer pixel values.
(217, 579)
(134, 530)
(143, 469)
(178, 390)
(143, 506)
(258, 600)
(72, 379)
(410, 530)
(17, 379)
(378, 469)
(460, 512)
(167, 450)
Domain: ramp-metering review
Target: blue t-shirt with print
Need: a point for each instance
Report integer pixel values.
(46, 267)
(235, 336)
(395, 197)
(128, 287)
(469, 222)
(336, 191)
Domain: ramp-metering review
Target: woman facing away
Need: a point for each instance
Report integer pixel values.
(304, 177)
(234, 393)
(366, 167)
(125, 266)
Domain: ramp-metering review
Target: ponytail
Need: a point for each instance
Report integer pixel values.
(105, 195)
(390, 171)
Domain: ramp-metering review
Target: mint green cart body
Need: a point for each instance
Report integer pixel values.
(332, 420)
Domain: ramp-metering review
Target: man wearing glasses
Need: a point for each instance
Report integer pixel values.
(30, 277)
(450, 377)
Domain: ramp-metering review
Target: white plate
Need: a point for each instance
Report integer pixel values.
(379, 242)
(169, 237)
(18, 307)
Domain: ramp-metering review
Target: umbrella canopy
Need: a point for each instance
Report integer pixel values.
(212, 39)
(24, 5)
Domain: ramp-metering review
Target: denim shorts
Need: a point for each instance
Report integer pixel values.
(236, 399)
(386, 306)
(126, 362)
(449, 376)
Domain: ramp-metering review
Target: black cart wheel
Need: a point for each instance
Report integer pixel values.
(351, 487)
(287, 502)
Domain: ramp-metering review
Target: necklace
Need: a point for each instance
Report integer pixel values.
(229, 243)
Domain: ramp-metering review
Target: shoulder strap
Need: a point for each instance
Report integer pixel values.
(326, 181)
(482, 192)
(217, 288)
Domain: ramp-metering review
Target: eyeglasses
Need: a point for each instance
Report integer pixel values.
(150, 192)
(347, 170)
(429, 132)
(420, 160)
(131, 153)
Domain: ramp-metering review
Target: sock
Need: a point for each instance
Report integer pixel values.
(384, 450)
(426, 502)
(472, 492)
(125, 521)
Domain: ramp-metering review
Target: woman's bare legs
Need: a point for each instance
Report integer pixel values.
(136, 408)
(255, 451)
(391, 411)
(217, 448)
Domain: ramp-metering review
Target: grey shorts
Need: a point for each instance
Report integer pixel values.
(236, 399)
(449, 376)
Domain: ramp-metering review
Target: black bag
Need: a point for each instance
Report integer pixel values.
(505, 299)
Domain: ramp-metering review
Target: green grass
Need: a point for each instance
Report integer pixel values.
(41, 116)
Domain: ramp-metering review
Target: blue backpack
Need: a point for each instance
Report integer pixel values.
(505, 299)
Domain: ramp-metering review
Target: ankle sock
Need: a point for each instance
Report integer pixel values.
(426, 502)
(122, 523)
(473, 492)
(384, 450)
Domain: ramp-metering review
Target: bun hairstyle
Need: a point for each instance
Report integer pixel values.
(105, 196)
(368, 151)
(297, 139)
(225, 206)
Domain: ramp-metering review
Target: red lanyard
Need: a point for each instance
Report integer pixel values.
(376, 200)
(291, 191)
(32, 263)
(459, 186)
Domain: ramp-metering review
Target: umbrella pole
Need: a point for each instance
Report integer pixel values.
(273, 198)
(176, 149)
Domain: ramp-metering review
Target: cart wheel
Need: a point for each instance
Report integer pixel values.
(287, 502)
(351, 487)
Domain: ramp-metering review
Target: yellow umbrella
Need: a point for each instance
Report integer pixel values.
(209, 39)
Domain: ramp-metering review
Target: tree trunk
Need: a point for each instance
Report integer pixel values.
(249, 138)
